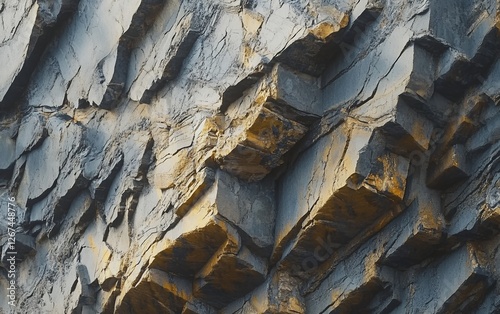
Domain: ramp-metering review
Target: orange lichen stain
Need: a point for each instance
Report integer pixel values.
(272, 133)
(247, 55)
(497, 24)
(294, 305)
(344, 21)
(389, 180)
(92, 245)
(336, 296)
(419, 134)
(427, 219)
(371, 270)
(325, 29)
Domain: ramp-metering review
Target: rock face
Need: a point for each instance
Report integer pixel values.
(255, 156)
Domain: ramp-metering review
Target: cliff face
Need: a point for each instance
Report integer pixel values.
(255, 156)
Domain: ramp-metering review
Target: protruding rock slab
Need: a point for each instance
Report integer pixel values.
(219, 242)
(267, 122)
(8, 152)
(459, 282)
(351, 286)
(31, 133)
(279, 294)
(418, 239)
(157, 292)
(186, 34)
(347, 189)
(232, 272)
(450, 169)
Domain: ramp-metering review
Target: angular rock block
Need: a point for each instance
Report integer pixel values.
(458, 283)
(310, 54)
(407, 130)
(406, 71)
(139, 24)
(485, 136)
(417, 240)
(279, 294)
(419, 231)
(189, 171)
(8, 153)
(477, 216)
(195, 188)
(28, 31)
(464, 122)
(398, 103)
(247, 206)
(266, 123)
(450, 169)
(217, 243)
(187, 253)
(31, 133)
(185, 35)
(473, 40)
(491, 86)
(347, 190)
(231, 272)
(351, 286)
(157, 292)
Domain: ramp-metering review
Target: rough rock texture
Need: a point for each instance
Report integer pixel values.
(250, 156)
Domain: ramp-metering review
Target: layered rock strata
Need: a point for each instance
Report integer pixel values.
(255, 156)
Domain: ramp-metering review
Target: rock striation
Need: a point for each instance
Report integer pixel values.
(250, 156)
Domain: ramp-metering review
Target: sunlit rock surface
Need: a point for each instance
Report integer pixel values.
(253, 156)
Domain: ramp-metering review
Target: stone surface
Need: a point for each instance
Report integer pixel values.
(255, 156)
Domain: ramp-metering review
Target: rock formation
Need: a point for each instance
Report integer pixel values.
(252, 156)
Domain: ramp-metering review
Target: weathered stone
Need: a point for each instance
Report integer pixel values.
(197, 307)
(23, 247)
(459, 283)
(255, 156)
(165, 292)
(274, 116)
(476, 216)
(31, 133)
(416, 242)
(232, 272)
(8, 154)
(217, 205)
(185, 34)
(475, 26)
(87, 296)
(279, 294)
(26, 32)
(48, 160)
(450, 169)
(311, 53)
(126, 187)
(367, 186)
(350, 287)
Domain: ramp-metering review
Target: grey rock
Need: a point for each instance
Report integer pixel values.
(255, 156)
(8, 154)
(31, 133)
